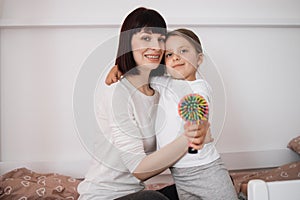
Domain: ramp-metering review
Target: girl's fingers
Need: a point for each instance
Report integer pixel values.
(113, 75)
(196, 134)
(188, 126)
(119, 75)
(115, 79)
(196, 141)
(198, 147)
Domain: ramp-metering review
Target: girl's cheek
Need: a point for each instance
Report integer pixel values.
(167, 63)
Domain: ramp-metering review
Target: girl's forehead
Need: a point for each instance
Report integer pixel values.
(175, 40)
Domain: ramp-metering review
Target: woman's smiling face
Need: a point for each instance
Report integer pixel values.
(181, 58)
(147, 48)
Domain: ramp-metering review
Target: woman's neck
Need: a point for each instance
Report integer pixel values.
(141, 82)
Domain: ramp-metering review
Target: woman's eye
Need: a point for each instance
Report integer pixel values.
(161, 39)
(146, 38)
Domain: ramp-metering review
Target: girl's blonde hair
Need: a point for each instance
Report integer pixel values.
(188, 35)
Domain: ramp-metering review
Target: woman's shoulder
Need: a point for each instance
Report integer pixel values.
(159, 80)
(159, 83)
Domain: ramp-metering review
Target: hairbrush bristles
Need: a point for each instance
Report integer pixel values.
(193, 108)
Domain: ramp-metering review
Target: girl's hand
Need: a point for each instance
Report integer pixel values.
(196, 134)
(208, 137)
(113, 75)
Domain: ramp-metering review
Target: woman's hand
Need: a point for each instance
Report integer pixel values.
(196, 134)
(113, 75)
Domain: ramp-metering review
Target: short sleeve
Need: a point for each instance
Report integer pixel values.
(204, 89)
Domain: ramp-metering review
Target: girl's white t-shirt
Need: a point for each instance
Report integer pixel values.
(169, 125)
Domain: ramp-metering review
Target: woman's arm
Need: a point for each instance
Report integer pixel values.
(127, 138)
(164, 158)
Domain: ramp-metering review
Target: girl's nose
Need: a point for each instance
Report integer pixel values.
(176, 57)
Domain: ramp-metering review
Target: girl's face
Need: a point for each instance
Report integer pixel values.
(148, 49)
(181, 58)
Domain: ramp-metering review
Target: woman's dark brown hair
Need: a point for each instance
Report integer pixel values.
(141, 18)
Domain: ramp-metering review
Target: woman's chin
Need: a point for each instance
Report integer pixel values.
(149, 66)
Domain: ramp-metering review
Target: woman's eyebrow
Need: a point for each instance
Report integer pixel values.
(146, 31)
(150, 32)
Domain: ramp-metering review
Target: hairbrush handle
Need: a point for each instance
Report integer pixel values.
(191, 150)
(193, 108)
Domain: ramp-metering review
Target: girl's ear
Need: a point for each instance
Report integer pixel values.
(200, 58)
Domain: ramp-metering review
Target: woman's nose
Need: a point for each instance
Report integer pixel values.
(156, 45)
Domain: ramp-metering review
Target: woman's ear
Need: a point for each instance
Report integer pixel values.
(200, 58)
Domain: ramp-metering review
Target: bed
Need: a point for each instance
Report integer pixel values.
(40, 180)
(256, 183)
(272, 183)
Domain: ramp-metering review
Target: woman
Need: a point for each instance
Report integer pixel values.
(127, 156)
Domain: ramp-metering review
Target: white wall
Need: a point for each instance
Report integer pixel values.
(255, 46)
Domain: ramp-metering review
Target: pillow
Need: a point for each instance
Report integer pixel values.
(25, 184)
(294, 144)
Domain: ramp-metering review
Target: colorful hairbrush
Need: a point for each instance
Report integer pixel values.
(193, 108)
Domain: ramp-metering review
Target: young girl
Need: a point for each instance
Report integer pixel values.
(201, 175)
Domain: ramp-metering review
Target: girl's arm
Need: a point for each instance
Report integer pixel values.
(113, 75)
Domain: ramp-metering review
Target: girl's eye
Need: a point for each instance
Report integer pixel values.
(183, 50)
(168, 55)
(146, 38)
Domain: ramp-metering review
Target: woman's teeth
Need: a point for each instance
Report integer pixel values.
(152, 57)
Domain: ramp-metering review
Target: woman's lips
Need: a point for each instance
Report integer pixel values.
(153, 57)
